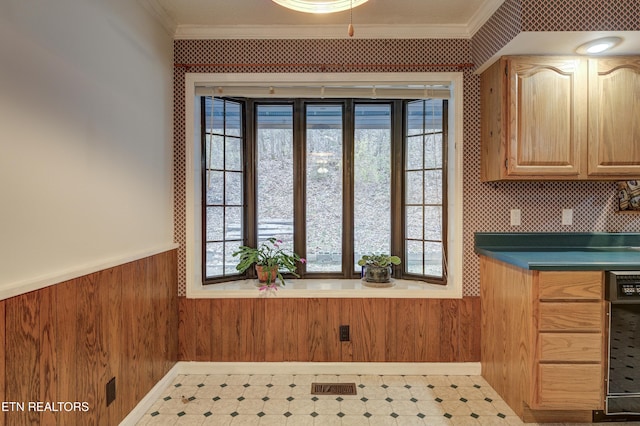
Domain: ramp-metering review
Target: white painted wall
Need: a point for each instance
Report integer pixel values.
(86, 169)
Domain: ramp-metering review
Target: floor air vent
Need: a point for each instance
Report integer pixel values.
(333, 389)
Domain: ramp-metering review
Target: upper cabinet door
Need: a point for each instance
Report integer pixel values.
(614, 116)
(547, 101)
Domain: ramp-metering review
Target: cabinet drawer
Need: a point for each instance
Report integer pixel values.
(571, 347)
(576, 285)
(570, 386)
(556, 316)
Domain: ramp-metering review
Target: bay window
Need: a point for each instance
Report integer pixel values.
(333, 179)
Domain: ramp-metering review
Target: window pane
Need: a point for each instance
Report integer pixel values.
(214, 259)
(372, 180)
(433, 151)
(433, 115)
(215, 223)
(222, 186)
(215, 152)
(415, 118)
(433, 223)
(415, 148)
(433, 259)
(413, 256)
(414, 222)
(414, 187)
(424, 210)
(233, 154)
(230, 262)
(433, 187)
(233, 223)
(233, 121)
(275, 173)
(233, 189)
(214, 123)
(324, 188)
(214, 187)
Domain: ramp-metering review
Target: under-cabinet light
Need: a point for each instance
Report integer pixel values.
(600, 45)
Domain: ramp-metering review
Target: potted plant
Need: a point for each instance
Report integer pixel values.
(270, 259)
(377, 267)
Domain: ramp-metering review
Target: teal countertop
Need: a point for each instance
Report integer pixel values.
(563, 251)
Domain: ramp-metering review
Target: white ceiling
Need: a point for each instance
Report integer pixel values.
(259, 19)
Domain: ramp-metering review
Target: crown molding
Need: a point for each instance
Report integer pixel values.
(387, 31)
(161, 15)
(363, 31)
(483, 14)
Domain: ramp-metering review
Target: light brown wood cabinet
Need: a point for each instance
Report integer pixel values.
(614, 116)
(543, 340)
(560, 118)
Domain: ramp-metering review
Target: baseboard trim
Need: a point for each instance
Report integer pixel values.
(150, 398)
(395, 368)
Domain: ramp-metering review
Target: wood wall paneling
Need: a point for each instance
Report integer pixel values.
(64, 342)
(22, 356)
(3, 345)
(307, 330)
(450, 334)
(470, 336)
(229, 322)
(255, 328)
(187, 329)
(205, 331)
(88, 344)
(277, 318)
(127, 386)
(47, 363)
(368, 339)
(113, 312)
(66, 353)
(389, 314)
(422, 332)
(288, 329)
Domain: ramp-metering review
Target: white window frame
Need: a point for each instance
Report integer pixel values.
(323, 287)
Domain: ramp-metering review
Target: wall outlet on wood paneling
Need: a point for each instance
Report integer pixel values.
(111, 391)
(344, 333)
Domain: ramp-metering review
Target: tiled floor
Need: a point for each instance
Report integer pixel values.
(287, 400)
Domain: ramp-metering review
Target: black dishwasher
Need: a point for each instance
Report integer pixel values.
(622, 401)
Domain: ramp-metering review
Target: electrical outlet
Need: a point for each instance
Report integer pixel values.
(111, 391)
(515, 217)
(344, 333)
(567, 216)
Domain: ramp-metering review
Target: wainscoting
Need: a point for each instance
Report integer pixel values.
(307, 330)
(63, 343)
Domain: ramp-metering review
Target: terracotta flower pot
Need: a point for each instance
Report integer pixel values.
(267, 274)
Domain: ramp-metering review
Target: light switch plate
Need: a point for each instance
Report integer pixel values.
(515, 217)
(567, 217)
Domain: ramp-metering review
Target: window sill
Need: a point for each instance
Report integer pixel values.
(325, 288)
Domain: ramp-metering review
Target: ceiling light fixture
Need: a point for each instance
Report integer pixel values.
(600, 45)
(319, 6)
